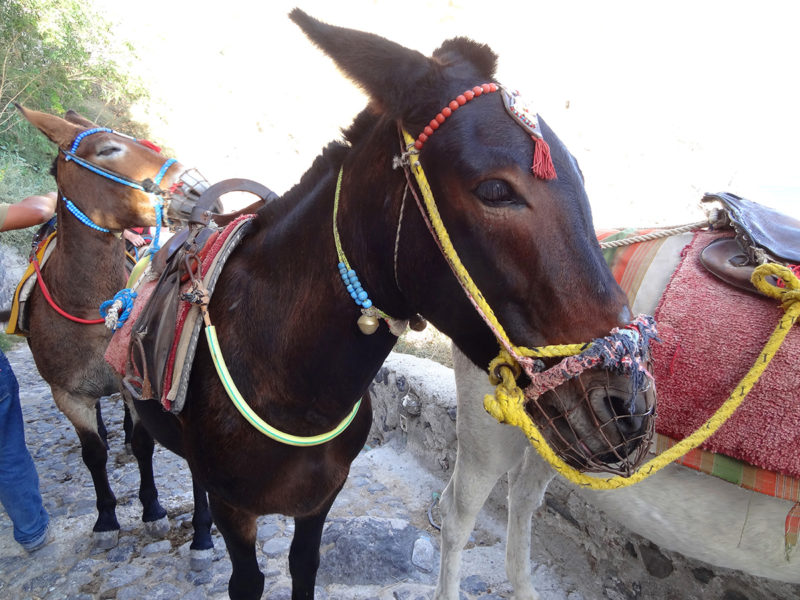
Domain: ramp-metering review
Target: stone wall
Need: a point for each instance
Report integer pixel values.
(414, 400)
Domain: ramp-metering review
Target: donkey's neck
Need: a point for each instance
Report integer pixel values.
(87, 265)
(284, 278)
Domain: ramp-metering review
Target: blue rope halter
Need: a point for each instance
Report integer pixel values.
(81, 216)
(122, 300)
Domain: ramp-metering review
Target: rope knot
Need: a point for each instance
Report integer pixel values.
(110, 309)
(788, 293)
(626, 351)
(508, 399)
(501, 366)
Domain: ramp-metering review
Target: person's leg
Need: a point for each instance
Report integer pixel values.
(19, 482)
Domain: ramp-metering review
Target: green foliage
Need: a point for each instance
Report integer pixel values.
(18, 179)
(56, 55)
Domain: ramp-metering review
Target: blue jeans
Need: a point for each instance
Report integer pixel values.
(19, 483)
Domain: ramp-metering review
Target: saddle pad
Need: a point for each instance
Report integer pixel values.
(116, 354)
(711, 336)
(18, 321)
(188, 324)
(190, 318)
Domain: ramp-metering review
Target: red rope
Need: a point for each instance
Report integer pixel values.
(49, 299)
(795, 269)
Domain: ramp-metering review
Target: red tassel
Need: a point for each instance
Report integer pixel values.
(150, 145)
(542, 162)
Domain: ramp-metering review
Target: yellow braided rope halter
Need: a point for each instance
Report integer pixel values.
(474, 294)
(507, 405)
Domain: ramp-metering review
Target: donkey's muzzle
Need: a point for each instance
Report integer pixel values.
(596, 424)
(184, 195)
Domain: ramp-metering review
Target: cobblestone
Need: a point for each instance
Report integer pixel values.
(143, 567)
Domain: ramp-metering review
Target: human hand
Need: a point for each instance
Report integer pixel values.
(134, 238)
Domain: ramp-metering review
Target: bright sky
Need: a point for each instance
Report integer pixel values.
(659, 102)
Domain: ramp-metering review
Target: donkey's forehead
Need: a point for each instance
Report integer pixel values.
(498, 111)
(94, 138)
(87, 133)
(482, 132)
(489, 145)
(484, 137)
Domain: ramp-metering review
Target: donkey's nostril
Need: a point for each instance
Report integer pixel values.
(627, 418)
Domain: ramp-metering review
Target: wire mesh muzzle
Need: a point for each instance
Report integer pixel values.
(593, 423)
(184, 195)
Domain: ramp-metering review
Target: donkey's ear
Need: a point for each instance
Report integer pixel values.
(481, 56)
(74, 117)
(387, 71)
(60, 131)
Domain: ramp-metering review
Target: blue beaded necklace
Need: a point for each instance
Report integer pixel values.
(368, 321)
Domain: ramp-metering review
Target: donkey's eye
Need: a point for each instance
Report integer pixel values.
(495, 191)
(109, 150)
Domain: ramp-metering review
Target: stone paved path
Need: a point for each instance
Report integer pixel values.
(377, 545)
(143, 567)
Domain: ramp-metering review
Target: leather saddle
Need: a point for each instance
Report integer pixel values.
(154, 333)
(762, 234)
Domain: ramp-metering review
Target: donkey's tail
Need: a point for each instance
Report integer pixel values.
(5, 315)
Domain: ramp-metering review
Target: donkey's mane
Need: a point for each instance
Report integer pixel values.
(328, 161)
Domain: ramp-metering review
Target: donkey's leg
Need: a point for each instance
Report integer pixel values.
(304, 552)
(238, 528)
(82, 413)
(527, 483)
(486, 450)
(460, 503)
(101, 426)
(201, 552)
(127, 427)
(153, 514)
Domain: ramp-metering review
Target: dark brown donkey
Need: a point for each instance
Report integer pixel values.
(100, 176)
(302, 352)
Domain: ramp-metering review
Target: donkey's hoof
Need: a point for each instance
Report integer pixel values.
(105, 540)
(158, 528)
(200, 560)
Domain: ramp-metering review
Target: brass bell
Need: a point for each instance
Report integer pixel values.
(367, 324)
(417, 323)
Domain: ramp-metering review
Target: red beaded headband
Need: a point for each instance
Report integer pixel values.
(528, 120)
